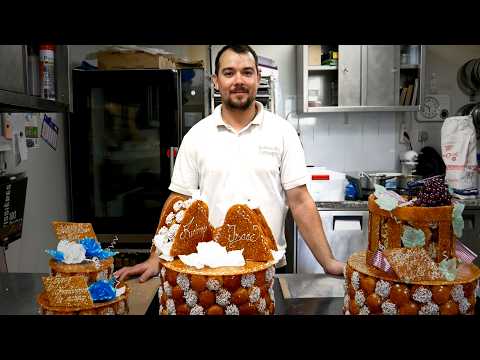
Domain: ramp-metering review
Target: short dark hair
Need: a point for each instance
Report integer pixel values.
(239, 49)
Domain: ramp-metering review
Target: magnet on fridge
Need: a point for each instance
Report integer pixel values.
(7, 126)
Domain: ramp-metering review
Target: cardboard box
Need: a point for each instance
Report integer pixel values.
(314, 55)
(141, 60)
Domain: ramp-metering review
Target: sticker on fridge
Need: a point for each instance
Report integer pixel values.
(32, 133)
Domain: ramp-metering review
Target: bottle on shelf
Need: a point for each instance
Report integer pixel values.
(47, 71)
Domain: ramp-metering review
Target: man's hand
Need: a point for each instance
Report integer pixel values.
(147, 269)
(335, 267)
(309, 223)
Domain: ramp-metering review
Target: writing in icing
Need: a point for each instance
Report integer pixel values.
(73, 231)
(188, 233)
(233, 237)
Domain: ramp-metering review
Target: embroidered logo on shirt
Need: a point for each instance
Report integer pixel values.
(268, 149)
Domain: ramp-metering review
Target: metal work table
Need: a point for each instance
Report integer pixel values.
(363, 204)
(18, 293)
(300, 294)
(308, 294)
(295, 294)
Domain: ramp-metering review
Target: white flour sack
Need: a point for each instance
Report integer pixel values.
(459, 152)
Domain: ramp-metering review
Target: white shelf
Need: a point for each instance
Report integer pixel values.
(363, 108)
(322, 67)
(409, 66)
(258, 96)
(5, 145)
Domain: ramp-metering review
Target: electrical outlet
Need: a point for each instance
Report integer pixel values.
(290, 104)
(422, 136)
(403, 130)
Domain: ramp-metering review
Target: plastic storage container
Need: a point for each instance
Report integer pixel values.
(350, 192)
(326, 185)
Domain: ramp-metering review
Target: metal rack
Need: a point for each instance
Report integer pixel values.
(265, 94)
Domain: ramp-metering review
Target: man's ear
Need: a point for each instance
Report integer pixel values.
(215, 81)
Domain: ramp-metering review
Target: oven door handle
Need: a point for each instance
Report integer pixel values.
(172, 154)
(350, 218)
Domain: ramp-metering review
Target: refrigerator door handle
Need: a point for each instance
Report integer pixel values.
(172, 154)
(180, 124)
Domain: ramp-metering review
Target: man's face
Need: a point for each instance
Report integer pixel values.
(237, 79)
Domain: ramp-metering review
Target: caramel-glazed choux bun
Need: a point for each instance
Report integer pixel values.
(168, 208)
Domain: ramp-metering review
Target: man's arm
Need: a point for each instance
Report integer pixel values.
(149, 267)
(309, 223)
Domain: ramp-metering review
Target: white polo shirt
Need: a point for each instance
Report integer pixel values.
(258, 163)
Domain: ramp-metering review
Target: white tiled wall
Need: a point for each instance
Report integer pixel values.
(350, 142)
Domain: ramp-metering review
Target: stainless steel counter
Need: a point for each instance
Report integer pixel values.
(295, 286)
(342, 205)
(295, 294)
(18, 293)
(307, 294)
(363, 205)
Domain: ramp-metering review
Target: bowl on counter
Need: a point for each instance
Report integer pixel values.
(369, 180)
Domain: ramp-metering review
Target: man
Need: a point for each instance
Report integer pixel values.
(243, 152)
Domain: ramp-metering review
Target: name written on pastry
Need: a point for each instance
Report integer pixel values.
(72, 231)
(234, 237)
(193, 229)
(69, 291)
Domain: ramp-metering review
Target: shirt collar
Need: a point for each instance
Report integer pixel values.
(257, 120)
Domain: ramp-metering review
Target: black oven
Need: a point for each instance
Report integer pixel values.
(123, 135)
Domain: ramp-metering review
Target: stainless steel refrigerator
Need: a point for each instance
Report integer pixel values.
(123, 134)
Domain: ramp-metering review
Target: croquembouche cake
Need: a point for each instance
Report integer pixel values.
(81, 278)
(414, 264)
(228, 270)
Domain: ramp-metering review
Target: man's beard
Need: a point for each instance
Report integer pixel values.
(235, 105)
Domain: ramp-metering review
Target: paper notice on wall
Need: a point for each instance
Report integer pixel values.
(49, 131)
(32, 133)
(18, 139)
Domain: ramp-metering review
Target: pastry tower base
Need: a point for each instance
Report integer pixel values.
(370, 291)
(246, 290)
